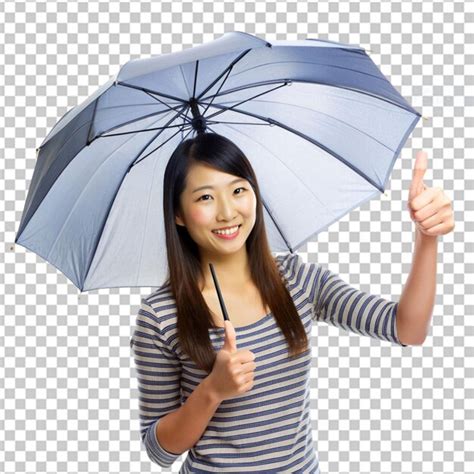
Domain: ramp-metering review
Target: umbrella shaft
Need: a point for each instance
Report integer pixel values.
(198, 122)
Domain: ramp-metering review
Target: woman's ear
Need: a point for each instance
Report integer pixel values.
(179, 221)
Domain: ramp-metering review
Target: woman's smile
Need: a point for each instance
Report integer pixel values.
(226, 235)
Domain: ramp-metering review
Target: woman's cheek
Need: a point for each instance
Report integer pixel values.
(250, 205)
(200, 216)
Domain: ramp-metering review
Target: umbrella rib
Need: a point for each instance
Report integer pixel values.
(145, 89)
(220, 87)
(272, 81)
(313, 63)
(183, 127)
(185, 118)
(250, 86)
(330, 116)
(290, 248)
(132, 121)
(229, 67)
(195, 77)
(156, 98)
(238, 123)
(138, 131)
(228, 70)
(90, 125)
(133, 163)
(246, 100)
(306, 137)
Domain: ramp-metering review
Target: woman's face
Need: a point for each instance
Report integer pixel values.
(220, 203)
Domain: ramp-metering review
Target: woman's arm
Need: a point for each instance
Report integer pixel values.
(432, 212)
(181, 430)
(417, 300)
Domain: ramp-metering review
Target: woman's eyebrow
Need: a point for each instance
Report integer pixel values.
(212, 187)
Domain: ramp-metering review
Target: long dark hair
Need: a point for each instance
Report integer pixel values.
(193, 314)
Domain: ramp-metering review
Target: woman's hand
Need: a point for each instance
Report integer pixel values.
(430, 209)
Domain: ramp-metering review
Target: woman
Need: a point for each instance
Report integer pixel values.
(235, 395)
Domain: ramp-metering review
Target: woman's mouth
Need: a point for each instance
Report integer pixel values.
(228, 234)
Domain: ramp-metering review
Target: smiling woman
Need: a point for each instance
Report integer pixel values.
(209, 185)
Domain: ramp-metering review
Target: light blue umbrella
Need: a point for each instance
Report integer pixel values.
(319, 122)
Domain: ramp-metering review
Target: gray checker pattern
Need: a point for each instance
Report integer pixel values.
(68, 396)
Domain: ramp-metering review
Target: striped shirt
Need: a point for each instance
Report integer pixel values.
(268, 428)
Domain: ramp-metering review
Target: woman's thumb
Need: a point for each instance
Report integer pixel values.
(229, 337)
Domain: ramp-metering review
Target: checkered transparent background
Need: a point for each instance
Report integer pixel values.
(68, 396)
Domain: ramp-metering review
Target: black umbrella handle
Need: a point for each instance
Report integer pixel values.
(219, 294)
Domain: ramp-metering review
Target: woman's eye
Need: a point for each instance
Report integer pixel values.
(204, 195)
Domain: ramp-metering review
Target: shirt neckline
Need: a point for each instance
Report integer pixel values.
(247, 326)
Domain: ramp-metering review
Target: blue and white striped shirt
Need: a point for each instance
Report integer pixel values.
(268, 428)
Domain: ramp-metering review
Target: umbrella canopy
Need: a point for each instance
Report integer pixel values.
(319, 122)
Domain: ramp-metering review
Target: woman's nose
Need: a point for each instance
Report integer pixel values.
(226, 210)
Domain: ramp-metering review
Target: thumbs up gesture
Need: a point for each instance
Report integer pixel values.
(430, 209)
(234, 370)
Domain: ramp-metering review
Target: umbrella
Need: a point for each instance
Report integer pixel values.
(319, 122)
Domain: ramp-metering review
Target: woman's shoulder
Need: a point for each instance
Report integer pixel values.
(163, 292)
(289, 261)
(161, 301)
(298, 272)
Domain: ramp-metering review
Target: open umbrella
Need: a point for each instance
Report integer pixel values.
(319, 122)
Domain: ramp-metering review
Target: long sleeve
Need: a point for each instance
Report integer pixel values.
(336, 302)
(158, 373)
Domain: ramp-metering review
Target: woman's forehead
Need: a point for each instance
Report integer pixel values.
(200, 175)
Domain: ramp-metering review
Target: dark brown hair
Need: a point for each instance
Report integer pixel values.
(193, 314)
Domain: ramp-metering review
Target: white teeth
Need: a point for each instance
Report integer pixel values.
(226, 232)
